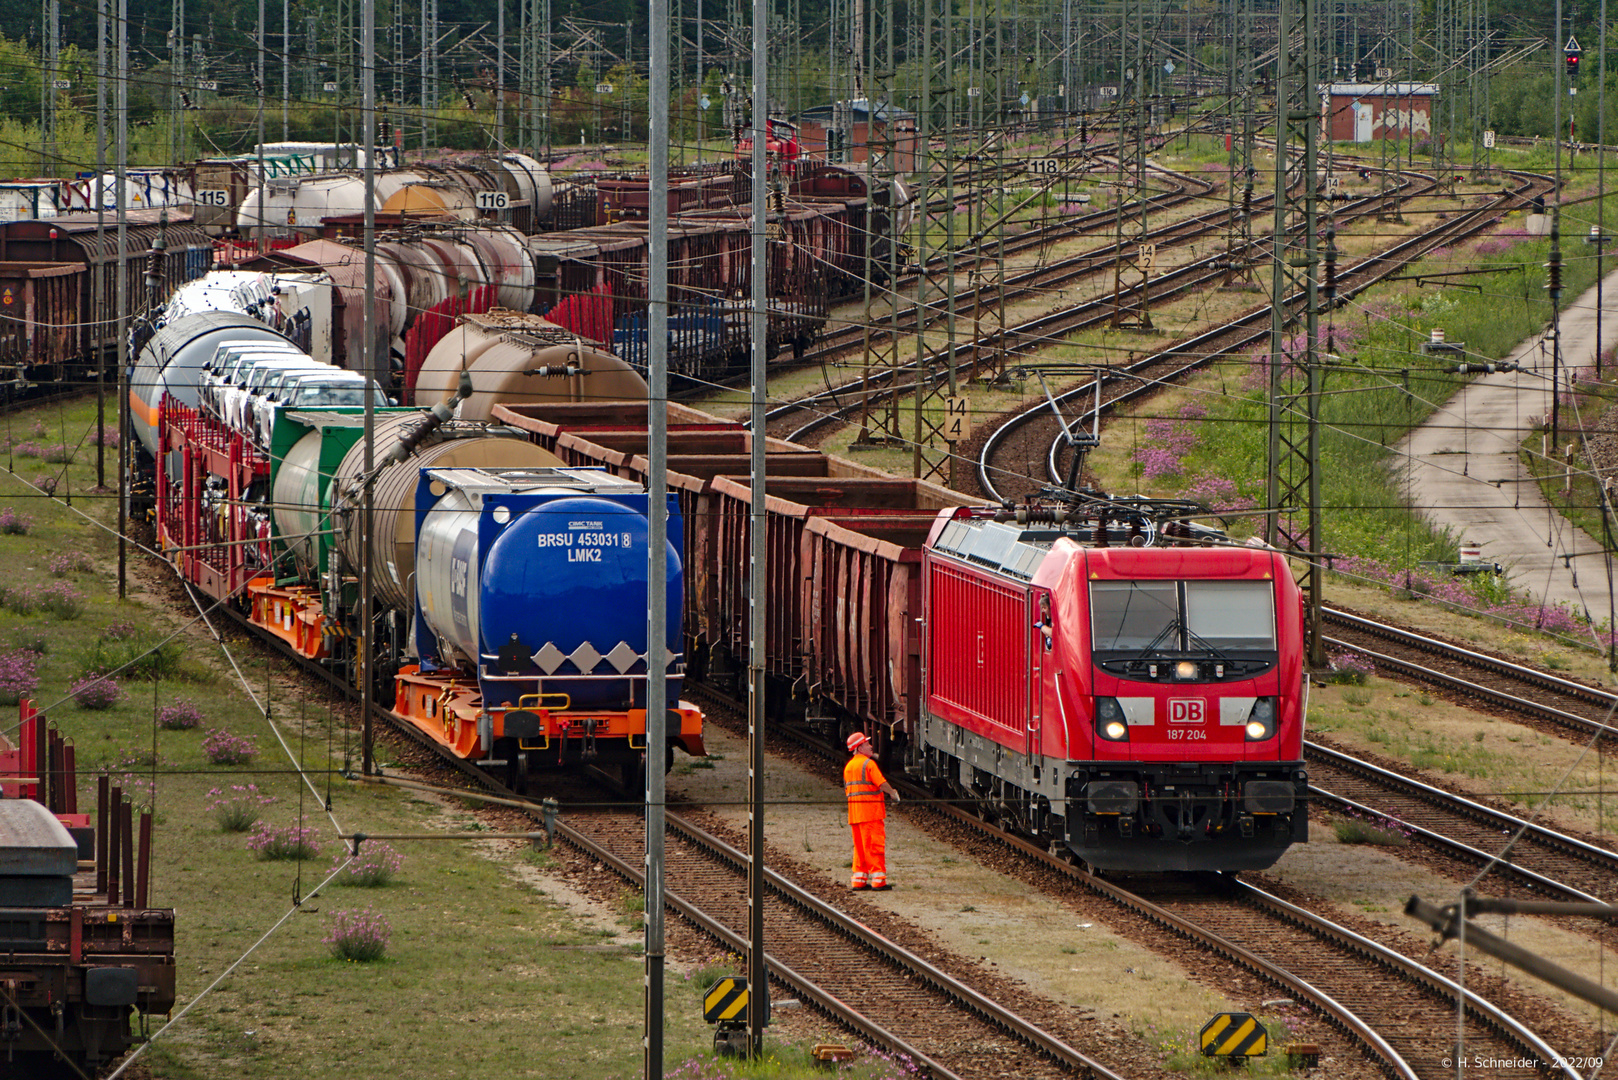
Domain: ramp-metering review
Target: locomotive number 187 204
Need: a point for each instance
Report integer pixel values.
(1187, 734)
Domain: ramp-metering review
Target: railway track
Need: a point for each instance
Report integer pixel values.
(1036, 435)
(834, 344)
(1409, 1006)
(920, 1010)
(833, 406)
(1388, 1004)
(1552, 864)
(1548, 702)
(889, 995)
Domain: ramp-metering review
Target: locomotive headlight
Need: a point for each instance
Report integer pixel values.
(1110, 723)
(1261, 721)
(1185, 670)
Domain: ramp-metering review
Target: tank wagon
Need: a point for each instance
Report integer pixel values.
(535, 582)
(462, 570)
(85, 952)
(457, 237)
(1130, 693)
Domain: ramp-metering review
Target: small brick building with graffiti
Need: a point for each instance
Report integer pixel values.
(1365, 112)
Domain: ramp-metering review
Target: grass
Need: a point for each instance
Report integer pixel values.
(1182, 1053)
(475, 945)
(1377, 387)
(793, 1062)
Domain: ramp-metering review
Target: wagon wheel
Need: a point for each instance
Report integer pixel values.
(519, 772)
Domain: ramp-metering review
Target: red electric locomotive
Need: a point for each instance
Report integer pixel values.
(1142, 706)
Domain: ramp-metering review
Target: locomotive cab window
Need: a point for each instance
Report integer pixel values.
(1228, 627)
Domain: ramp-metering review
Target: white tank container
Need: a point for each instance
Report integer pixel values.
(297, 205)
(21, 200)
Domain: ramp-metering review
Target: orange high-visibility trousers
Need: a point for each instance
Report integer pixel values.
(870, 854)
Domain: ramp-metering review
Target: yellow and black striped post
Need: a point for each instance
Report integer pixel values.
(1234, 1035)
(726, 1001)
(725, 1005)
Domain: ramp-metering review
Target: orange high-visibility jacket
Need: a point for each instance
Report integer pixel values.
(862, 781)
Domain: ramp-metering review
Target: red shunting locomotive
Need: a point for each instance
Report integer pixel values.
(1141, 706)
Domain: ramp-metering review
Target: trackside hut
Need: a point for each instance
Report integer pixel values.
(864, 116)
(1365, 112)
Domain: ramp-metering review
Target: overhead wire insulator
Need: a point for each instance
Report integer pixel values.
(1554, 267)
(1331, 266)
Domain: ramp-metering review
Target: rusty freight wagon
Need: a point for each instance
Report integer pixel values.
(39, 323)
(80, 238)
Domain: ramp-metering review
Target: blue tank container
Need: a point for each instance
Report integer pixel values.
(537, 579)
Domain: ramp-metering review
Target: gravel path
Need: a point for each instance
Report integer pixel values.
(1464, 473)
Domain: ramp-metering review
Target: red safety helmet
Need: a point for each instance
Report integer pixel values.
(857, 740)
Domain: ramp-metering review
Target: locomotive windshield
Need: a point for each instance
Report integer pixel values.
(1179, 617)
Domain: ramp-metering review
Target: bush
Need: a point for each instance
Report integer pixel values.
(19, 599)
(179, 715)
(359, 936)
(96, 693)
(278, 842)
(68, 562)
(19, 675)
(237, 809)
(119, 631)
(223, 748)
(1376, 829)
(60, 454)
(1350, 669)
(107, 436)
(14, 524)
(130, 657)
(62, 600)
(375, 865)
(30, 640)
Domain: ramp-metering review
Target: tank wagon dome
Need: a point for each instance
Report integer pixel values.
(503, 255)
(171, 363)
(393, 546)
(499, 348)
(533, 181)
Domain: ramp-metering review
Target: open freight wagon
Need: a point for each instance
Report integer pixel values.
(844, 555)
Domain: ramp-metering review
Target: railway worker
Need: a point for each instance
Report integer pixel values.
(867, 814)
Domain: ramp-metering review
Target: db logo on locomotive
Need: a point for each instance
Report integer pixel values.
(1185, 710)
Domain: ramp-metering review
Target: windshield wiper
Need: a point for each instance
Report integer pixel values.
(1197, 639)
